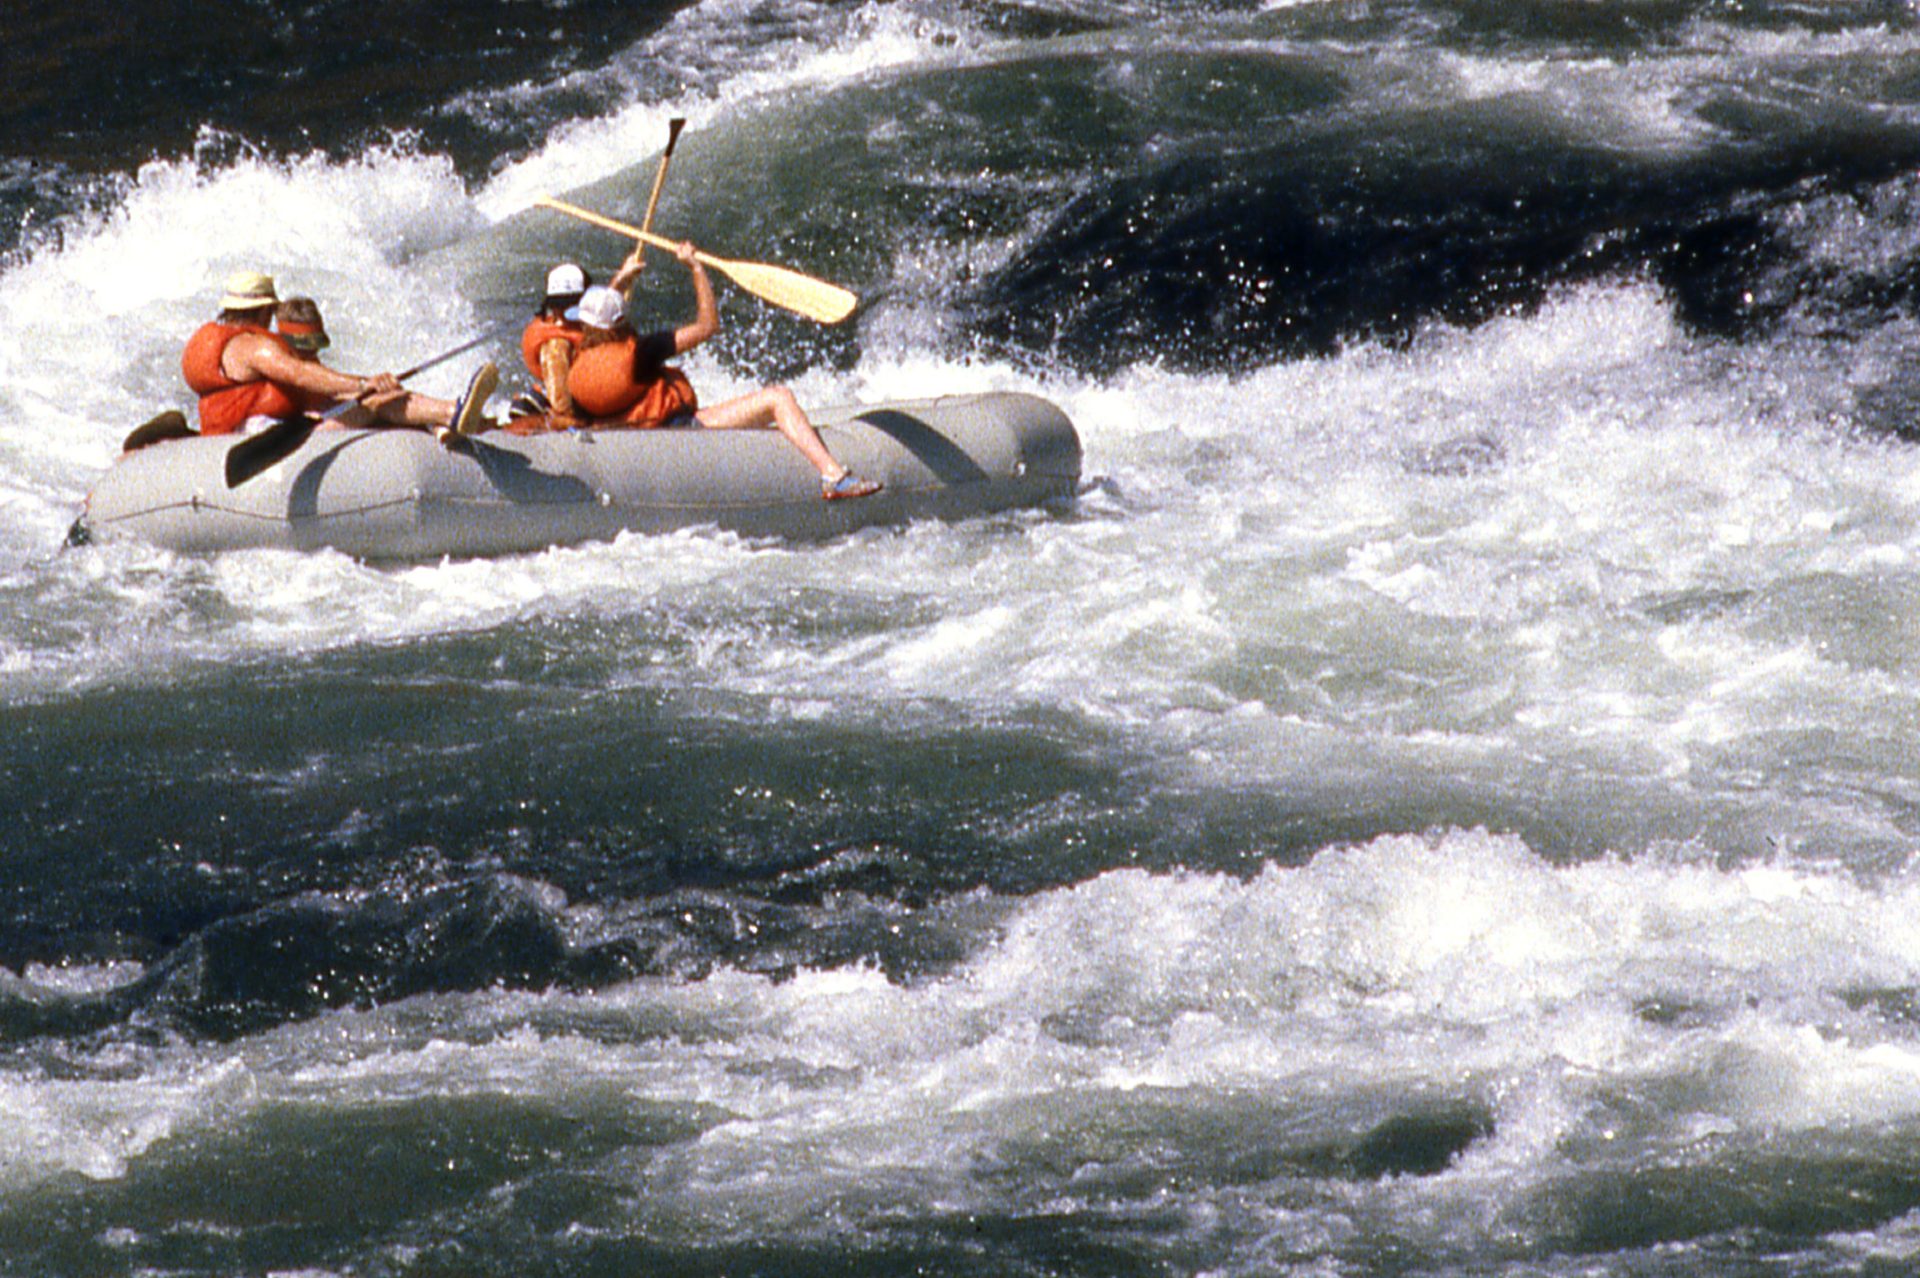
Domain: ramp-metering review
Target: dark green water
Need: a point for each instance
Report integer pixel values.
(1441, 801)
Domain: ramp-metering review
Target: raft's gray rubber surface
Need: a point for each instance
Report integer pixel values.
(396, 494)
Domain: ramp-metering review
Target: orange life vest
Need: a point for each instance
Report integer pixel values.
(604, 387)
(225, 404)
(541, 330)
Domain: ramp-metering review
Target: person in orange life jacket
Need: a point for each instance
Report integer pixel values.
(620, 378)
(549, 341)
(248, 376)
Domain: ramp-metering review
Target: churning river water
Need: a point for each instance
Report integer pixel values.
(1443, 799)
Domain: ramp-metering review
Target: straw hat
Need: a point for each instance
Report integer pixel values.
(248, 291)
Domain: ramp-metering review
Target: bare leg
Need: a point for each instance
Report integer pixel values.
(393, 406)
(419, 412)
(773, 406)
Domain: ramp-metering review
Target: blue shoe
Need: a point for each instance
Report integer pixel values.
(531, 403)
(848, 486)
(467, 419)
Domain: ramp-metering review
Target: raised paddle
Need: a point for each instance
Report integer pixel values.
(660, 178)
(801, 294)
(267, 448)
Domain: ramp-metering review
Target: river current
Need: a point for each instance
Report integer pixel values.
(1443, 798)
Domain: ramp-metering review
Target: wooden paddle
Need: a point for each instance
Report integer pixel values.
(660, 178)
(264, 449)
(801, 294)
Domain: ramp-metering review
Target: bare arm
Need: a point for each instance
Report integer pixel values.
(266, 361)
(556, 358)
(630, 270)
(706, 320)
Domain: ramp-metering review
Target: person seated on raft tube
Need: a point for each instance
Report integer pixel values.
(548, 343)
(248, 376)
(620, 378)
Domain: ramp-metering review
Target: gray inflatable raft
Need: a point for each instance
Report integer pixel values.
(395, 494)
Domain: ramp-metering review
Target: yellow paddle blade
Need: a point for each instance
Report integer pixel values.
(802, 294)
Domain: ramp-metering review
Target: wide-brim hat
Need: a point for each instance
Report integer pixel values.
(248, 291)
(303, 336)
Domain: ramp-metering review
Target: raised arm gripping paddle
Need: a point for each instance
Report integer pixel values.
(802, 294)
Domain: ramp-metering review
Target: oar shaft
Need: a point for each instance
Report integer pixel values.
(660, 178)
(444, 356)
(625, 228)
(801, 294)
(345, 404)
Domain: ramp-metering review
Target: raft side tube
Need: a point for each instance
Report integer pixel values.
(396, 494)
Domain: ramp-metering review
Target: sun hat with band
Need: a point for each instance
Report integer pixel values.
(600, 307)
(248, 291)
(303, 336)
(299, 321)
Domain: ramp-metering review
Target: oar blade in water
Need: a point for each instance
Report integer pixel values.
(171, 424)
(266, 449)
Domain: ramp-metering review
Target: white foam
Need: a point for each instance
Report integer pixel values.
(1414, 573)
(39, 980)
(1606, 1015)
(828, 50)
(1577, 565)
(98, 1127)
(1641, 105)
(1576, 561)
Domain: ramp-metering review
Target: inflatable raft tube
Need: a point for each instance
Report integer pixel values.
(395, 494)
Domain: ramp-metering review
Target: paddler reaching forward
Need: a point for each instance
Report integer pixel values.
(248, 376)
